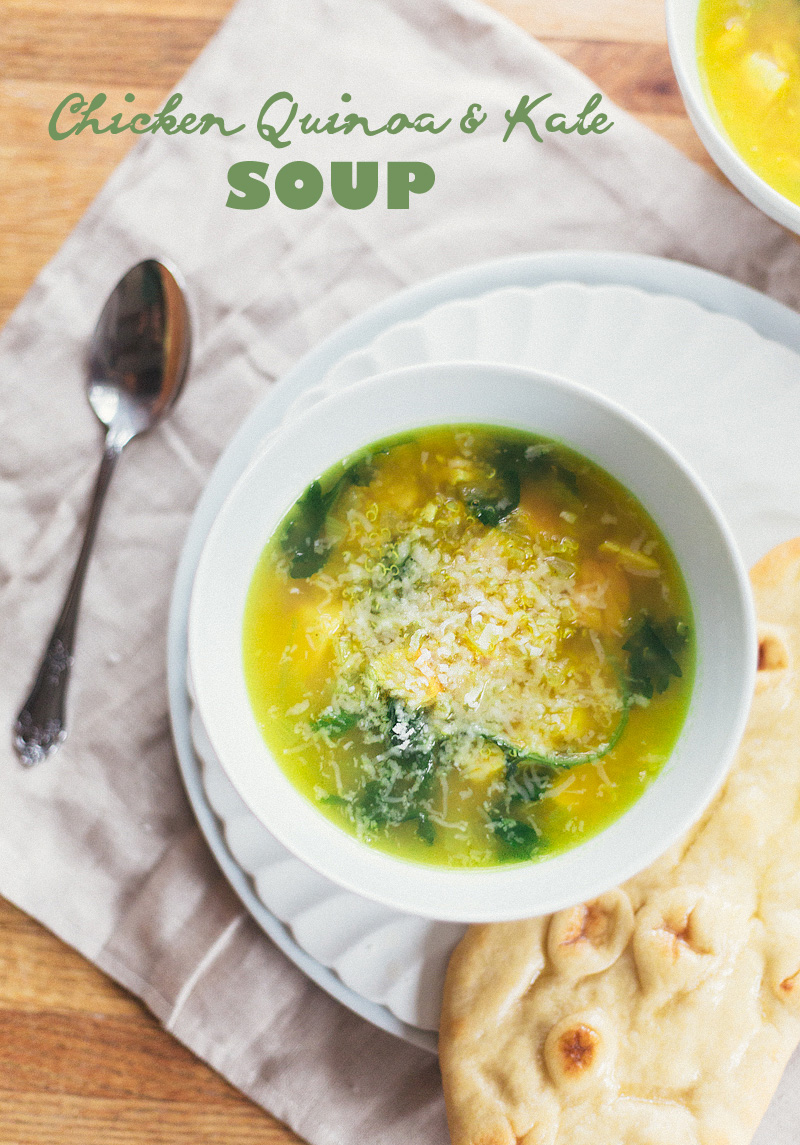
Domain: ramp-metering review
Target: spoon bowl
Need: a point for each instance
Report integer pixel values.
(139, 352)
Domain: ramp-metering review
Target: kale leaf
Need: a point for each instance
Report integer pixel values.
(304, 536)
(390, 798)
(652, 649)
(492, 500)
(360, 472)
(541, 465)
(517, 840)
(410, 738)
(527, 785)
(372, 804)
(334, 800)
(567, 478)
(335, 723)
(426, 828)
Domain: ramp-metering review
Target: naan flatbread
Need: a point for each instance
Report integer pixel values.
(664, 1012)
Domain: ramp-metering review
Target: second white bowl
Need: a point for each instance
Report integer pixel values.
(682, 38)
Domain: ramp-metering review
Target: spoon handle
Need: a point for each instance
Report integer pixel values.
(40, 726)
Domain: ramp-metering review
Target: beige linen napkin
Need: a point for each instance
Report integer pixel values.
(99, 843)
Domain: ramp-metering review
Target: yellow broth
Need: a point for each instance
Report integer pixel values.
(749, 56)
(469, 646)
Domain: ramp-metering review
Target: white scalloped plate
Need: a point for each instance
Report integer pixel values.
(728, 398)
(681, 368)
(392, 959)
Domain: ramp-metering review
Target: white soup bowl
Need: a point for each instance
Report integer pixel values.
(308, 444)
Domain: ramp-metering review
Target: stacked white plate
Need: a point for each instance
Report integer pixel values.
(710, 364)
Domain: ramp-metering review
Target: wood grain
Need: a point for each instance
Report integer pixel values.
(157, 47)
(634, 21)
(82, 1062)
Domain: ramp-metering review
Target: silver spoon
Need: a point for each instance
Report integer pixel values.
(138, 359)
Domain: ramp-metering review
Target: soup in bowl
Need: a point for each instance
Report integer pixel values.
(749, 55)
(472, 641)
(469, 645)
(737, 63)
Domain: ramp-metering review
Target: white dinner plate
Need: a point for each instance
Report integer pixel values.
(664, 339)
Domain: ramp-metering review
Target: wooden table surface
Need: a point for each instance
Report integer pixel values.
(81, 1061)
